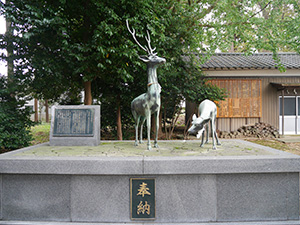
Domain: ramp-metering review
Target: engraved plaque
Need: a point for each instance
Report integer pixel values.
(73, 122)
(142, 198)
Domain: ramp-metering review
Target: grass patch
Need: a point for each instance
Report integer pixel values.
(271, 143)
(40, 133)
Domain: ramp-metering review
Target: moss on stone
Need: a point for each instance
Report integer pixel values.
(127, 149)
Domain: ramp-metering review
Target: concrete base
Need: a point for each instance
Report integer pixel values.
(235, 190)
(147, 223)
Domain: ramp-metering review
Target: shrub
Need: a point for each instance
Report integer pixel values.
(14, 118)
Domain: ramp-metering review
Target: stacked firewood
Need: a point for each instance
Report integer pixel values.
(257, 130)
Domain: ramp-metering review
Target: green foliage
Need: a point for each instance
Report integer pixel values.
(14, 118)
(59, 45)
(250, 26)
(40, 133)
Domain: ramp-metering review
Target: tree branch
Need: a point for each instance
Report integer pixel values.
(261, 9)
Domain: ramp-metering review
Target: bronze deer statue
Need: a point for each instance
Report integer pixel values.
(143, 106)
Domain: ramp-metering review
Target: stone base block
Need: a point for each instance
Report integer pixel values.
(189, 190)
(137, 223)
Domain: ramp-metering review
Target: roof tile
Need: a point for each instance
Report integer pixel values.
(255, 61)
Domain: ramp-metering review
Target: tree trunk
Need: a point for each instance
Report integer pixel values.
(9, 49)
(160, 131)
(36, 111)
(87, 92)
(119, 121)
(47, 110)
(153, 123)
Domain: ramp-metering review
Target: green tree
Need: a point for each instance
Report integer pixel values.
(14, 117)
(67, 46)
(15, 120)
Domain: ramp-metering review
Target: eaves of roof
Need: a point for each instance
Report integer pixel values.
(234, 61)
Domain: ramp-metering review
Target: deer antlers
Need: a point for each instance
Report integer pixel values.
(148, 49)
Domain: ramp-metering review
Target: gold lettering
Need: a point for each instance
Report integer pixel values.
(143, 208)
(143, 190)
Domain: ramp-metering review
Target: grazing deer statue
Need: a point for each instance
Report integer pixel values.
(143, 106)
(208, 113)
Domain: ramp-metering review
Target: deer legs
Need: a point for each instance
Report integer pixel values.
(148, 131)
(202, 140)
(156, 129)
(140, 120)
(213, 131)
(141, 130)
(137, 121)
(140, 140)
(213, 135)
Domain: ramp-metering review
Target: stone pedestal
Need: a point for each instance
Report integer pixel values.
(216, 190)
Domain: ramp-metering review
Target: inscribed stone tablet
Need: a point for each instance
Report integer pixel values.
(75, 125)
(73, 122)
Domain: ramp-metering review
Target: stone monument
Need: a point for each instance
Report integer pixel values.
(75, 125)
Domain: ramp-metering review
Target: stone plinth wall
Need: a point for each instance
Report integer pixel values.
(188, 189)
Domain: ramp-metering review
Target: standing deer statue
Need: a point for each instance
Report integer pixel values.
(143, 106)
(208, 113)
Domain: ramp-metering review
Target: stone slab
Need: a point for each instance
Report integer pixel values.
(91, 166)
(141, 165)
(100, 198)
(141, 223)
(186, 198)
(216, 165)
(28, 160)
(249, 197)
(166, 149)
(36, 197)
(292, 187)
(71, 138)
(1, 187)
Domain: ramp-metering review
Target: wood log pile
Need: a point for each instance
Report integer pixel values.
(257, 130)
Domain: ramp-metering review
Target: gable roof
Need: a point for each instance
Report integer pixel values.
(232, 61)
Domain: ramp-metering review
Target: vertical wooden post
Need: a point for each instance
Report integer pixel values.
(47, 110)
(189, 110)
(282, 107)
(87, 92)
(36, 111)
(119, 120)
(9, 49)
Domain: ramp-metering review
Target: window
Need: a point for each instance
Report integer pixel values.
(289, 106)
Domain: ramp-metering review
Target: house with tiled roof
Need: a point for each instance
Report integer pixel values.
(257, 90)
